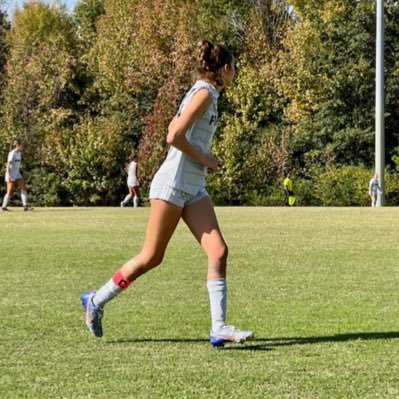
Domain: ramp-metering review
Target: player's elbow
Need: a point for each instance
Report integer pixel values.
(170, 138)
(173, 136)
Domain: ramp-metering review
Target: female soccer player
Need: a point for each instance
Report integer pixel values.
(14, 177)
(374, 188)
(178, 191)
(132, 182)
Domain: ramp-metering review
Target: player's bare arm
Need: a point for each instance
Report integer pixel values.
(181, 124)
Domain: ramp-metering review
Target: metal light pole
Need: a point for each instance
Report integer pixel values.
(379, 102)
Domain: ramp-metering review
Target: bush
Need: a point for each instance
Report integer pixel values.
(45, 189)
(346, 186)
(304, 193)
(391, 188)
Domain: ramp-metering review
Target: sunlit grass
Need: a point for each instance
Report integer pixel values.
(319, 287)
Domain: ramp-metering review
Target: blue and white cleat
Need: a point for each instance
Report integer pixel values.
(93, 314)
(227, 335)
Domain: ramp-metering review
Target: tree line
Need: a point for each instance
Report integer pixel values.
(84, 89)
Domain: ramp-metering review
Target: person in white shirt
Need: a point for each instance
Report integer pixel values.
(374, 189)
(132, 182)
(178, 192)
(13, 177)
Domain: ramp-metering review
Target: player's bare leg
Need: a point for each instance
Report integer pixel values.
(201, 219)
(163, 220)
(10, 192)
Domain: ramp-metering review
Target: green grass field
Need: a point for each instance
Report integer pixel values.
(319, 286)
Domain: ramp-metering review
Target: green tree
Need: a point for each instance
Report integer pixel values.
(41, 93)
(87, 13)
(84, 90)
(4, 51)
(4, 28)
(327, 79)
(86, 16)
(40, 71)
(250, 145)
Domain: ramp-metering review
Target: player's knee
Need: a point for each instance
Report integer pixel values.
(220, 253)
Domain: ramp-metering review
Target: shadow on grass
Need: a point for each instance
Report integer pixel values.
(159, 340)
(268, 344)
(273, 343)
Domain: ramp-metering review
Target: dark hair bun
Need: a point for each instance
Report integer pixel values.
(205, 48)
(15, 143)
(212, 57)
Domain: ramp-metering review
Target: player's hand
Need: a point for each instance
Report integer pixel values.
(211, 163)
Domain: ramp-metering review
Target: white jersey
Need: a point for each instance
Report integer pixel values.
(179, 170)
(374, 185)
(132, 173)
(14, 158)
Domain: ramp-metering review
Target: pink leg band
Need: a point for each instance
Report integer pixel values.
(120, 280)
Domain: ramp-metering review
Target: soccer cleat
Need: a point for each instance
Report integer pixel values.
(5, 210)
(93, 314)
(27, 208)
(227, 335)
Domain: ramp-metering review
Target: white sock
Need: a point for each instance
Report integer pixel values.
(24, 197)
(106, 293)
(218, 300)
(5, 201)
(136, 201)
(111, 289)
(127, 198)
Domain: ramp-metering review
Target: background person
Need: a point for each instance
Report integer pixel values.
(132, 182)
(13, 177)
(178, 192)
(374, 188)
(288, 191)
